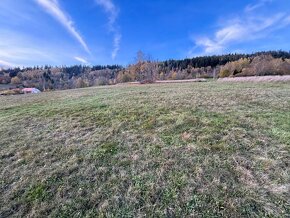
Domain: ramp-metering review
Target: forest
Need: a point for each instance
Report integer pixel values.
(147, 70)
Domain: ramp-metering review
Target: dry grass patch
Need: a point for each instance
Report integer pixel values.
(168, 150)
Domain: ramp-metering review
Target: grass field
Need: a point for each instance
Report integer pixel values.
(168, 150)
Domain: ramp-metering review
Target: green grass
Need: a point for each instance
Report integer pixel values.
(170, 150)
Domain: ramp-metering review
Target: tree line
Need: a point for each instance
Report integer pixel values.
(147, 70)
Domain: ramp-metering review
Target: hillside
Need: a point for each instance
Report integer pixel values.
(146, 70)
(171, 150)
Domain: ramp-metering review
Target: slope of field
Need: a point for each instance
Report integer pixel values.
(256, 79)
(194, 149)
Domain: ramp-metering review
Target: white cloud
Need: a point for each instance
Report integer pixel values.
(237, 31)
(6, 64)
(26, 50)
(111, 9)
(117, 40)
(82, 60)
(259, 4)
(112, 12)
(209, 45)
(52, 7)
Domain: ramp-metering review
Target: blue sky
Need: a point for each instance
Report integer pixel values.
(66, 32)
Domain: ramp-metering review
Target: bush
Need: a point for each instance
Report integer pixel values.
(80, 83)
(224, 73)
(15, 80)
(174, 76)
(124, 78)
(102, 81)
(5, 79)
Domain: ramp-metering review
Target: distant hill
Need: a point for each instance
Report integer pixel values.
(67, 77)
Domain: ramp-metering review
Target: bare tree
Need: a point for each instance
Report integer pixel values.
(145, 68)
(140, 57)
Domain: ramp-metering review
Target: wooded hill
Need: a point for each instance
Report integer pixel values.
(144, 69)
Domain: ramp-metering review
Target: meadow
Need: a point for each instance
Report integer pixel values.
(160, 150)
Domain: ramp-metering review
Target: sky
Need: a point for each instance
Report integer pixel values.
(101, 32)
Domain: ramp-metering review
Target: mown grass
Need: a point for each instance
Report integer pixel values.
(170, 150)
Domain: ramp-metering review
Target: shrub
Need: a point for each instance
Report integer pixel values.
(174, 76)
(80, 83)
(124, 77)
(15, 80)
(102, 81)
(224, 73)
(5, 79)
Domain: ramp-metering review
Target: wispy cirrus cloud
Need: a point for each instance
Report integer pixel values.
(113, 13)
(244, 28)
(6, 64)
(82, 60)
(111, 9)
(20, 49)
(116, 43)
(258, 4)
(53, 8)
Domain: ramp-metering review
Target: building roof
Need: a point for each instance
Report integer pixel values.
(32, 90)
